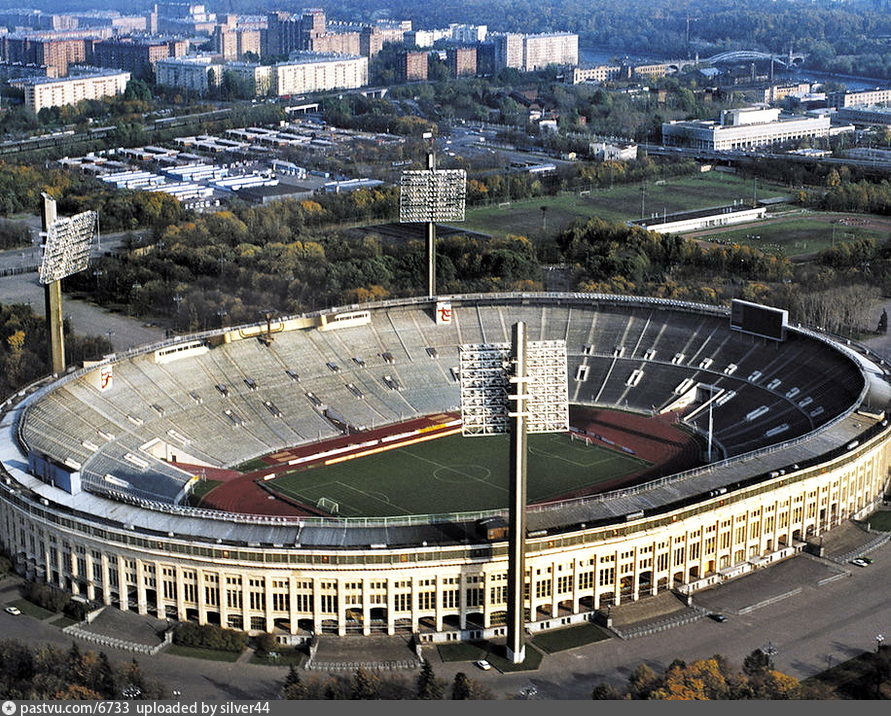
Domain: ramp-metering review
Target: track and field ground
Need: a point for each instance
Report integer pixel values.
(621, 203)
(800, 233)
(455, 474)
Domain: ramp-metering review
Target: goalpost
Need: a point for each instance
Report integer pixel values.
(573, 436)
(328, 505)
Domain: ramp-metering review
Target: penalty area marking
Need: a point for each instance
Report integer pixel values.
(462, 474)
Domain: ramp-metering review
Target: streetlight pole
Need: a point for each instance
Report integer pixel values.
(770, 651)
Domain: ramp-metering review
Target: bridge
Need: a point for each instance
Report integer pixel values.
(731, 57)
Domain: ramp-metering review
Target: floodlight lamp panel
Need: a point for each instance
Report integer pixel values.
(66, 250)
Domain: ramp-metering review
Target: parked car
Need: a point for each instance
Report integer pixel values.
(717, 617)
(15, 611)
(483, 664)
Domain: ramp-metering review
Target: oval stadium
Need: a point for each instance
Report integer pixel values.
(307, 475)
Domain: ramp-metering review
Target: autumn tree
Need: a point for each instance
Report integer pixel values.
(365, 685)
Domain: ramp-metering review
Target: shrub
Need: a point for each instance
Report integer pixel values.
(209, 637)
(45, 595)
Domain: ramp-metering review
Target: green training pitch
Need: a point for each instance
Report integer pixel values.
(454, 474)
(619, 203)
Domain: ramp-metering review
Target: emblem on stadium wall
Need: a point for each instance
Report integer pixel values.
(106, 377)
(443, 313)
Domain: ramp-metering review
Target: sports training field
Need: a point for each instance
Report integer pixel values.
(454, 474)
(620, 203)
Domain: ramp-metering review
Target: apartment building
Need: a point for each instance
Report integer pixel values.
(41, 92)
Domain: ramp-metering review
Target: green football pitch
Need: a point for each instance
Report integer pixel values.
(454, 474)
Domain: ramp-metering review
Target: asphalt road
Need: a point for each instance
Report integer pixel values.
(86, 318)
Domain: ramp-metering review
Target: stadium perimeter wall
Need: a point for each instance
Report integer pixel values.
(446, 591)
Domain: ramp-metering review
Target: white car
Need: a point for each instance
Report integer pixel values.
(483, 664)
(15, 611)
(860, 562)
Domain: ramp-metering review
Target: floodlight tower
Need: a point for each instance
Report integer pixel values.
(516, 561)
(532, 376)
(430, 235)
(66, 251)
(52, 298)
(428, 196)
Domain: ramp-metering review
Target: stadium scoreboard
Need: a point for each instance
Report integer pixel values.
(758, 320)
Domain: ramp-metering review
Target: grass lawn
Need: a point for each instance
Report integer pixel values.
(286, 657)
(256, 463)
(496, 657)
(201, 489)
(569, 638)
(621, 203)
(32, 610)
(462, 651)
(63, 622)
(454, 474)
(795, 235)
(196, 653)
(880, 520)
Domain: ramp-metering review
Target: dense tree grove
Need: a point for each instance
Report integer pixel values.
(232, 266)
(24, 352)
(368, 685)
(710, 680)
(48, 672)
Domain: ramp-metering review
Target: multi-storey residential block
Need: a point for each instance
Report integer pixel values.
(843, 98)
(532, 52)
(41, 92)
(136, 55)
(558, 48)
(40, 50)
(601, 73)
(286, 33)
(412, 66)
(461, 61)
(469, 34)
(312, 72)
(197, 73)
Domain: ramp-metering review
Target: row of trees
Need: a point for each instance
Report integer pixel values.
(48, 672)
(366, 685)
(712, 679)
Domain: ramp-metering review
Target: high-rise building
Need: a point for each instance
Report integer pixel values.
(136, 55)
(558, 48)
(39, 50)
(412, 66)
(469, 34)
(308, 32)
(508, 50)
(532, 52)
(233, 42)
(461, 61)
